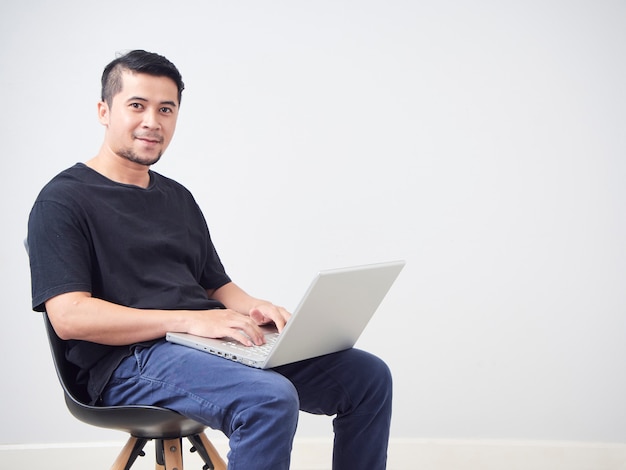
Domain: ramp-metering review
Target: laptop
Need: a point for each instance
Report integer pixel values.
(330, 317)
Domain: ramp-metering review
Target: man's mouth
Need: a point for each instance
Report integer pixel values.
(150, 139)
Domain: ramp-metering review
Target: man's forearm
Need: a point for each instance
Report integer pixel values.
(235, 298)
(77, 315)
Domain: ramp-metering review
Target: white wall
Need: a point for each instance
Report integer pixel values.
(483, 142)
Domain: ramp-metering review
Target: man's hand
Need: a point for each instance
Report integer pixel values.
(220, 323)
(241, 327)
(258, 312)
(266, 313)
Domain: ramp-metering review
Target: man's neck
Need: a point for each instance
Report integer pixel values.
(119, 169)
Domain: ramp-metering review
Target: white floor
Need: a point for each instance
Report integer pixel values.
(314, 454)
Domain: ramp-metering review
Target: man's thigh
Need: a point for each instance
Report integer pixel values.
(336, 383)
(196, 384)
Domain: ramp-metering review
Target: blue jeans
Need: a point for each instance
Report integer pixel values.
(258, 409)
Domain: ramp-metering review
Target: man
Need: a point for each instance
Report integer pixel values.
(120, 255)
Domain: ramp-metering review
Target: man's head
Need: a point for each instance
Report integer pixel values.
(138, 61)
(141, 94)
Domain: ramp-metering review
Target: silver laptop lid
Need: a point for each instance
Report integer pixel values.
(334, 311)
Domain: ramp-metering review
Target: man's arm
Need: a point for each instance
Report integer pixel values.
(78, 315)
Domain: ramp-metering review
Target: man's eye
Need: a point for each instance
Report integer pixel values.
(166, 110)
(136, 105)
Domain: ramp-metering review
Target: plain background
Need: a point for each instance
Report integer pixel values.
(484, 142)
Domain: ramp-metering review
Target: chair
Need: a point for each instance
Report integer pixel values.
(143, 423)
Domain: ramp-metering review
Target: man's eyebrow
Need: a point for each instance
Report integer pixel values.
(139, 98)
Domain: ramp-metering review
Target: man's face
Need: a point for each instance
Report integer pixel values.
(142, 117)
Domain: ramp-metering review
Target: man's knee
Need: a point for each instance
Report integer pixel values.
(284, 394)
(371, 380)
(371, 368)
(276, 399)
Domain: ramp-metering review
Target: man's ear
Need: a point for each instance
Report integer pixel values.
(103, 113)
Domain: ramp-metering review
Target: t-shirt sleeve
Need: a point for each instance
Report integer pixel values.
(58, 251)
(213, 275)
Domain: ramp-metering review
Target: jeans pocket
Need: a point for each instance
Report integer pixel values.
(128, 368)
(140, 357)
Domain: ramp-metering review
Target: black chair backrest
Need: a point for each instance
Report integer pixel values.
(66, 371)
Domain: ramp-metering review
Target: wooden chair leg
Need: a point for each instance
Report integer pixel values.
(131, 450)
(173, 454)
(215, 457)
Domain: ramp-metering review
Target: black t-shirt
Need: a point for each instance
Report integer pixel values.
(147, 248)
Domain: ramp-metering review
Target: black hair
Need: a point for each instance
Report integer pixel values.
(138, 61)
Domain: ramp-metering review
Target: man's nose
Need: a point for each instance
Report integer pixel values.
(151, 120)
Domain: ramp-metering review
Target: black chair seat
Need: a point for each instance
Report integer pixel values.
(149, 422)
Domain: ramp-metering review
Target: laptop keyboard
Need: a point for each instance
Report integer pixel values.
(262, 350)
